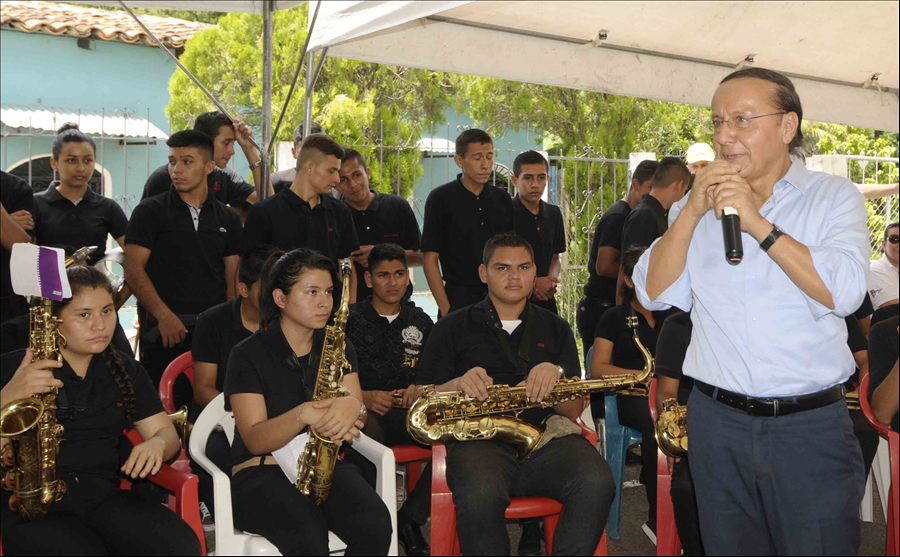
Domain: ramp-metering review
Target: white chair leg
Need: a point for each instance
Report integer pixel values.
(867, 507)
(881, 470)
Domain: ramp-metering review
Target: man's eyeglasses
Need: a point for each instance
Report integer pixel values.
(894, 239)
(738, 122)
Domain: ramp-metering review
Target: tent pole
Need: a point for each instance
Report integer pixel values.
(308, 105)
(265, 169)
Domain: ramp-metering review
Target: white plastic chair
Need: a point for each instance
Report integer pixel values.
(230, 541)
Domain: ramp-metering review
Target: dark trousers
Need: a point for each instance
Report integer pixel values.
(218, 450)
(461, 296)
(549, 305)
(266, 503)
(634, 412)
(775, 486)
(867, 437)
(483, 475)
(155, 357)
(590, 310)
(684, 503)
(390, 430)
(95, 517)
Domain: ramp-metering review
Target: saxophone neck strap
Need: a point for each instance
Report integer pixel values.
(522, 361)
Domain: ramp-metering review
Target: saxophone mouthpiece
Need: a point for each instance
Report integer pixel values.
(80, 256)
(345, 267)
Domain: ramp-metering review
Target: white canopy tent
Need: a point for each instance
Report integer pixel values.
(842, 56)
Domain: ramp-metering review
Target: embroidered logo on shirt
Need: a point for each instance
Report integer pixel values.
(216, 187)
(222, 229)
(412, 336)
(540, 345)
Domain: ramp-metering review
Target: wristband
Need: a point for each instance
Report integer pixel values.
(363, 412)
(771, 238)
(256, 165)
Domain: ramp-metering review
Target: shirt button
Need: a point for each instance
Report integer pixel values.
(482, 224)
(539, 228)
(368, 228)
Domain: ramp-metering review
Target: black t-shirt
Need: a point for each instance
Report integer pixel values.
(388, 352)
(59, 222)
(218, 330)
(671, 349)
(884, 349)
(92, 437)
(388, 219)
(15, 195)
(283, 179)
(287, 222)
(857, 342)
(545, 231)
(15, 335)
(186, 266)
(457, 225)
(648, 221)
(265, 364)
(866, 309)
(225, 184)
(608, 233)
(468, 338)
(613, 327)
(884, 313)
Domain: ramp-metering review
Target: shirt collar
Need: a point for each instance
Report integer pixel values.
(281, 348)
(175, 198)
(654, 204)
(236, 313)
(485, 191)
(484, 311)
(53, 194)
(797, 176)
(540, 213)
(370, 313)
(297, 201)
(376, 201)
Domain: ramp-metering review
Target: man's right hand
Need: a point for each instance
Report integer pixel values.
(32, 378)
(380, 402)
(24, 219)
(475, 383)
(701, 199)
(172, 330)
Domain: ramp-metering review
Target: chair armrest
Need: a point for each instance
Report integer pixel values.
(386, 480)
(439, 469)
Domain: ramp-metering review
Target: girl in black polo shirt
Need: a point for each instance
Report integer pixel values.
(102, 393)
(615, 353)
(69, 213)
(269, 384)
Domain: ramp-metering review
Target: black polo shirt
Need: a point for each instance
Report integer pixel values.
(607, 233)
(187, 267)
(283, 179)
(388, 352)
(287, 222)
(884, 350)
(648, 221)
(387, 220)
(92, 437)
(15, 195)
(468, 338)
(866, 309)
(671, 349)
(613, 327)
(59, 222)
(225, 184)
(218, 330)
(545, 231)
(265, 364)
(457, 225)
(15, 335)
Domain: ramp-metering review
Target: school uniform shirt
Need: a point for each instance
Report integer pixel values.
(265, 364)
(15, 195)
(218, 330)
(388, 351)
(225, 184)
(884, 350)
(468, 338)
(607, 233)
(671, 348)
(545, 232)
(613, 327)
(59, 222)
(884, 281)
(186, 264)
(645, 223)
(388, 219)
(288, 222)
(283, 179)
(92, 411)
(457, 225)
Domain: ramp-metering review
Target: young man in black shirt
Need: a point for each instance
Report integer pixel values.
(284, 178)
(379, 218)
(305, 215)
(224, 182)
(181, 254)
(459, 218)
(16, 227)
(388, 336)
(650, 218)
(884, 382)
(605, 257)
(541, 224)
(474, 348)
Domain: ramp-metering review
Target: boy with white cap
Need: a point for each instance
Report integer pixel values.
(698, 156)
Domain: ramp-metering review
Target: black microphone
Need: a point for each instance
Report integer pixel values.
(731, 230)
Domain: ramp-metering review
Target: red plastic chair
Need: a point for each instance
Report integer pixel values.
(184, 500)
(444, 539)
(893, 437)
(412, 456)
(183, 364)
(667, 541)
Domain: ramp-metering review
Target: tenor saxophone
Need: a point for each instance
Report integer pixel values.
(446, 417)
(671, 429)
(29, 460)
(315, 467)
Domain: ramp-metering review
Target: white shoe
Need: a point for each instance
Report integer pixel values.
(649, 532)
(206, 519)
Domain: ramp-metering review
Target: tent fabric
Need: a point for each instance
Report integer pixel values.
(228, 6)
(92, 122)
(672, 51)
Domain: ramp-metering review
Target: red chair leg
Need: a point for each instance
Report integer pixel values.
(601, 547)
(893, 545)
(443, 511)
(667, 541)
(550, 523)
(413, 473)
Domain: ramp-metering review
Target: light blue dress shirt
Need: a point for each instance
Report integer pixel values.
(755, 332)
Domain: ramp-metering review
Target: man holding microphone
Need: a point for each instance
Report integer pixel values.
(775, 463)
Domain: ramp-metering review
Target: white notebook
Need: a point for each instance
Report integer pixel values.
(288, 456)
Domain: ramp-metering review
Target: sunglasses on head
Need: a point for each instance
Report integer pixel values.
(893, 238)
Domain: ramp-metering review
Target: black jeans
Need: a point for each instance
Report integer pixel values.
(266, 503)
(684, 503)
(483, 475)
(634, 412)
(590, 310)
(155, 357)
(95, 517)
(390, 430)
(549, 305)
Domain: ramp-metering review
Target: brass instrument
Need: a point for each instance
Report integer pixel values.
(29, 460)
(853, 401)
(315, 467)
(182, 426)
(438, 417)
(671, 429)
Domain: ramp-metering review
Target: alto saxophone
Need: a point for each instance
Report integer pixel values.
(315, 467)
(671, 429)
(29, 460)
(444, 417)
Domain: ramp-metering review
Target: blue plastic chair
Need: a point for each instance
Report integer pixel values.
(618, 439)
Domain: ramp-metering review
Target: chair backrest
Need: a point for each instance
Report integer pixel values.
(867, 408)
(183, 364)
(651, 399)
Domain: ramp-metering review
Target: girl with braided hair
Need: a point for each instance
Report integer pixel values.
(101, 393)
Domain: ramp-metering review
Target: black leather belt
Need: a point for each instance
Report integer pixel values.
(772, 407)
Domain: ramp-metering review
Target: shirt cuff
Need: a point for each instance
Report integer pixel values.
(678, 294)
(843, 279)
